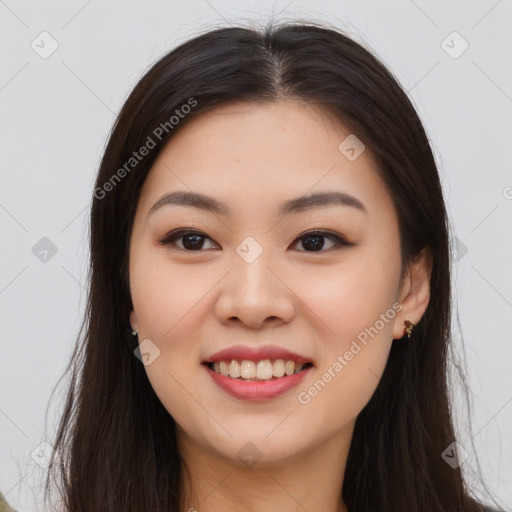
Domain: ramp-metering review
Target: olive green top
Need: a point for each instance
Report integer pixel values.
(4, 506)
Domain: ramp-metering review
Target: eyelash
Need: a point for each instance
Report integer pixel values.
(170, 238)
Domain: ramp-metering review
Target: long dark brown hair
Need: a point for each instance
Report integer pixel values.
(115, 445)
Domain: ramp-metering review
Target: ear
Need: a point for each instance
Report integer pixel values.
(414, 294)
(133, 321)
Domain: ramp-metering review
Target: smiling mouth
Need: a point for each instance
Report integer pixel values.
(257, 371)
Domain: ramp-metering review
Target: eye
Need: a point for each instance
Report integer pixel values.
(314, 240)
(193, 240)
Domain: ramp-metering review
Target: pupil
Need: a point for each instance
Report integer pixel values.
(192, 242)
(186, 240)
(317, 244)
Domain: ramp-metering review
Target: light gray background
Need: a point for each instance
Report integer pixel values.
(55, 117)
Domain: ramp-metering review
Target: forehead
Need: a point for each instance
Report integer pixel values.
(264, 153)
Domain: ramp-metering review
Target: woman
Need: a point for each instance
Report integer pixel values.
(269, 309)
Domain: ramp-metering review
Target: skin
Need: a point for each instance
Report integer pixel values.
(315, 303)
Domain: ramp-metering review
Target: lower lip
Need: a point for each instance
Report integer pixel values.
(254, 390)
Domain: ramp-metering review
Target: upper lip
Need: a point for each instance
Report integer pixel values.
(241, 352)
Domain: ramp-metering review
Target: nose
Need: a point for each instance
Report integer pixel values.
(255, 294)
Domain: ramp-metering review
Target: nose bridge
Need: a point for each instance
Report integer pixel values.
(254, 292)
(253, 279)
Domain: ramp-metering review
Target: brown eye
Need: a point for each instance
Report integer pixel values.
(314, 241)
(191, 240)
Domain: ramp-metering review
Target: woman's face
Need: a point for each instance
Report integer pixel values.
(250, 277)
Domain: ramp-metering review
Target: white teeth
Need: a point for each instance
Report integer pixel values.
(289, 367)
(278, 368)
(234, 369)
(224, 368)
(247, 370)
(259, 370)
(264, 370)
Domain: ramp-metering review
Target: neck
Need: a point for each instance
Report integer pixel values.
(310, 480)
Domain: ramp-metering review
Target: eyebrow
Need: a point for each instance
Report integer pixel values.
(296, 205)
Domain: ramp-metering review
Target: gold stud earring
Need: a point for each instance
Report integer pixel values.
(408, 328)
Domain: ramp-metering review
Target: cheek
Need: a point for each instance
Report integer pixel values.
(164, 302)
(352, 360)
(357, 305)
(164, 296)
(351, 297)
(344, 387)
(167, 299)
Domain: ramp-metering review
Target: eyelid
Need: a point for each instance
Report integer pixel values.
(177, 233)
(339, 239)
